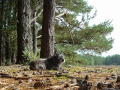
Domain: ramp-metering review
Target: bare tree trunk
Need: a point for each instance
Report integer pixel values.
(47, 42)
(8, 50)
(2, 34)
(34, 33)
(2, 48)
(13, 57)
(24, 34)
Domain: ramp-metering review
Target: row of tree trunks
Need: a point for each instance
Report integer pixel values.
(7, 55)
(5, 42)
(26, 38)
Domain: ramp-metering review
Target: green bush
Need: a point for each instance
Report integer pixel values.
(30, 56)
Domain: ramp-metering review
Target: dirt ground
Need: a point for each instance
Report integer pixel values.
(18, 77)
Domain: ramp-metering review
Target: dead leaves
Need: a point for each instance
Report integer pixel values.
(77, 78)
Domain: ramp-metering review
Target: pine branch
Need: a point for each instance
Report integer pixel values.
(71, 34)
(60, 15)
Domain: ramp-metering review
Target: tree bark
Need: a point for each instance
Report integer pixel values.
(2, 48)
(13, 57)
(34, 33)
(2, 36)
(24, 34)
(8, 50)
(47, 42)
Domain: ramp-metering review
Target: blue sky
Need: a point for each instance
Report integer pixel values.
(108, 10)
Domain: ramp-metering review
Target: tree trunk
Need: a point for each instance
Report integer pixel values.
(13, 57)
(24, 34)
(2, 48)
(34, 33)
(8, 49)
(47, 42)
(2, 34)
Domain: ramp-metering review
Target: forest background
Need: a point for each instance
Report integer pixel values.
(81, 43)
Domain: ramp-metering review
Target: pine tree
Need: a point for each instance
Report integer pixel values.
(78, 33)
(24, 33)
(47, 40)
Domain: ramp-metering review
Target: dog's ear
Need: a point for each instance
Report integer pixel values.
(57, 52)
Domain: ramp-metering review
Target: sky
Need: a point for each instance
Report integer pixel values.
(108, 10)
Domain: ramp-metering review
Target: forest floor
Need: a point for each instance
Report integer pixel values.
(18, 77)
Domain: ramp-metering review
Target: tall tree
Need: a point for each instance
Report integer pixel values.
(78, 33)
(47, 42)
(2, 35)
(34, 34)
(24, 34)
